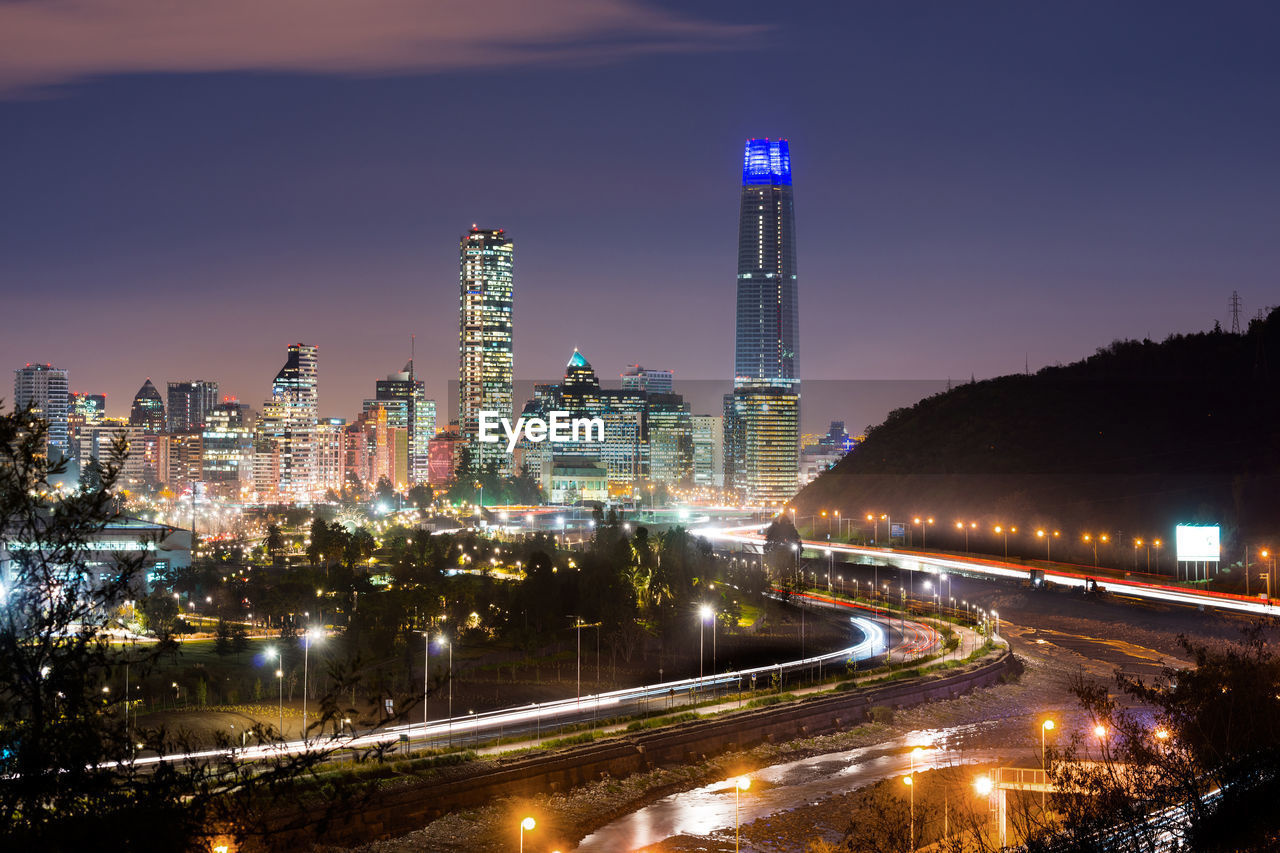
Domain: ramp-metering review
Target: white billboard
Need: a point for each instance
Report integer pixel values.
(1198, 543)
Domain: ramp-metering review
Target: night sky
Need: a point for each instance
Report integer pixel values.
(976, 182)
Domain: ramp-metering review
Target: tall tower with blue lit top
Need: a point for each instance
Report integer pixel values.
(762, 415)
(768, 315)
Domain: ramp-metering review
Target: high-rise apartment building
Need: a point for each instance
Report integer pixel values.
(708, 451)
(228, 448)
(485, 362)
(419, 416)
(190, 403)
(45, 388)
(762, 415)
(289, 422)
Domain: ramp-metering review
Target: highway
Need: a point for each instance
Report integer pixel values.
(877, 634)
(935, 563)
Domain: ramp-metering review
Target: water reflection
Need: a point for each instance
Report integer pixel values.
(782, 787)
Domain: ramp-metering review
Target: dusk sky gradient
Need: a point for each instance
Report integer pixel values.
(975, 182)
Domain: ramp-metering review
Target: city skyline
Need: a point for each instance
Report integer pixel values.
(1131, 203)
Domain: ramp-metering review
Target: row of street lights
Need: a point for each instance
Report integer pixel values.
(966, 527)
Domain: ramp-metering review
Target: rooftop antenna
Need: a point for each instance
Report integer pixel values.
(1235, 312)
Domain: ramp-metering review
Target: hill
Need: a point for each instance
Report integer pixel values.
(1129, 442)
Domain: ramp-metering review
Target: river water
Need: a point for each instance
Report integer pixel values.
(782, 787)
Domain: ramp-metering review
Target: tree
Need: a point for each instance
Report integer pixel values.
(385, 493)
(781, 544)
(69, 778)
(275, 540)
(222, 639)
(1178, 738)
(421, 496)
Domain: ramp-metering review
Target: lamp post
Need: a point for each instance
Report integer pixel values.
(1137, 543)
(1048, 543)
(911, 786)
(1157, 543)
(308, 636)
(704, 613)
(1005, 531)
(274, 654)
(445, 642)
(426, 682)
(1046, 726)
(742, 784)
(526, 825)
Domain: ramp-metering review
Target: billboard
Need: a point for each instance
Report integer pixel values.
(1198, 543)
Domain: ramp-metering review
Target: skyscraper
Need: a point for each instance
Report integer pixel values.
(768, 330)
(190, 403)
(148, 461)
(45, 388)
(419, 416)
(762, 415)
(147, 410)
(289, 421)
(485, 364)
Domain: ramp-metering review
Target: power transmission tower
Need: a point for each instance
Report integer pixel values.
(1235, 312)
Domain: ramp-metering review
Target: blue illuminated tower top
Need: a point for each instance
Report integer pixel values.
(766, 162)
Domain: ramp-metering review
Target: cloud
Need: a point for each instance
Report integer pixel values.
(47, 42)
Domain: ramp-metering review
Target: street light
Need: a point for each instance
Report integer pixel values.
(307, 637)
(526, 825)
(1046, 726)
(1006, 531)
(704, 613)
(742, 784)
(1048, 543)
(274, 653)
(911, 786)
(444, 641)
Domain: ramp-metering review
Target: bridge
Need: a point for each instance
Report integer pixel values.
(934, 562)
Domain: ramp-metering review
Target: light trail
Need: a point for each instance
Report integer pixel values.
(874, 643)
(924, 561)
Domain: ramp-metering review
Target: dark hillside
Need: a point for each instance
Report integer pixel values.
(1129, 441)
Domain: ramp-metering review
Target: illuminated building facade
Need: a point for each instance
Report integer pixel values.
(765, 421)
(417, 416)
(331, 453)
(228, 448)
(148, 462)
(189, 404)
(640, 378)
(443, 452)
(185, 464)
(289, 420)
(83, 411)
(708, 451)
(762, 415)
(485, 357)
(147, 410)
(648, 436)
(45, 388)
